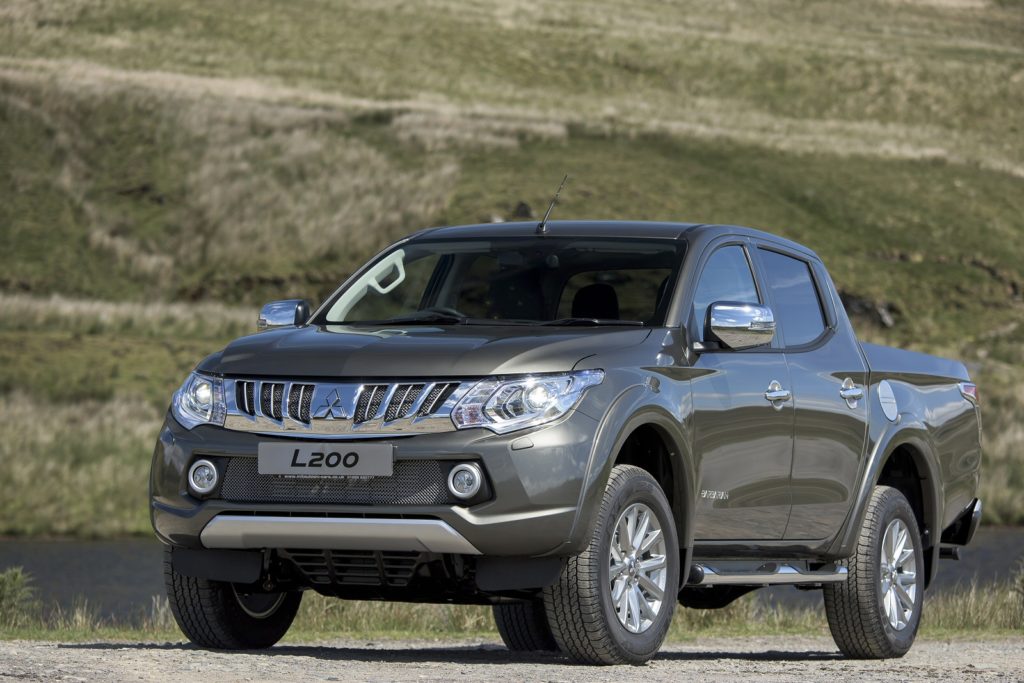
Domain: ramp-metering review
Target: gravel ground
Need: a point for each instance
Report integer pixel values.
(757, 659)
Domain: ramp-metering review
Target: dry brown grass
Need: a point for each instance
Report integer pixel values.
(435, 131)
(78, 469)
(439, 122)
(296, 194)
(23, 311)
(267, 182)
(1002, 470)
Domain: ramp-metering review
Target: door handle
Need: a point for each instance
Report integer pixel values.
(776, 394)
(850, 392)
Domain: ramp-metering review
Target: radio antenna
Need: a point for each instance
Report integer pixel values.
(542, 227)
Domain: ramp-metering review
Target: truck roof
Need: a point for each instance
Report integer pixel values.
(601, 228)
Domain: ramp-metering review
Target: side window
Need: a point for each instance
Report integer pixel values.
(726, 277)
(798, 307)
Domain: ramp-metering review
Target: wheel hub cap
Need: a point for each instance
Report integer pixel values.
(898, 571)
(638, 568)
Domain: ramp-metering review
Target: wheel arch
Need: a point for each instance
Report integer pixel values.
(649, 445)
(621, 439)
(904, 460)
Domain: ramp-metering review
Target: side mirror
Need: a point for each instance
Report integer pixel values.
(287, 313)
(741, 326)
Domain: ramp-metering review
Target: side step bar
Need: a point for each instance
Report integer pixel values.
(767, 574)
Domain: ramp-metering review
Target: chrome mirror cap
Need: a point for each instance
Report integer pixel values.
(741, 326)
(287, 313)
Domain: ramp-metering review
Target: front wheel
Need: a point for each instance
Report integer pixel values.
(224, 616)
(875, 613)
(523, 627)
(613, 603)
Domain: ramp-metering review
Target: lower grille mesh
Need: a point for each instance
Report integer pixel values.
(414, 482)
(355, 567)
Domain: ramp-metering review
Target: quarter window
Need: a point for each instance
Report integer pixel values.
(726, 277)
(796, 300)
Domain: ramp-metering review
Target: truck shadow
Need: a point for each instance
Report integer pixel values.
(458, 654)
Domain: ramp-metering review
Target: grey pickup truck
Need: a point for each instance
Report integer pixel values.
(579, 423)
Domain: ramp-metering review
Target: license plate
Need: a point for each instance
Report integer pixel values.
(326, 459)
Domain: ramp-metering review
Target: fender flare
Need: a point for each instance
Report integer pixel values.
(913, 435)
(631, 410)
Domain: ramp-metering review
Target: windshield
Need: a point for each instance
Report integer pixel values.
(521, 280)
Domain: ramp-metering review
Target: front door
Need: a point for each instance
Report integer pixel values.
(743, 441)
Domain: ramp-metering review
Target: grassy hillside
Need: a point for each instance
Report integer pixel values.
(158, 155)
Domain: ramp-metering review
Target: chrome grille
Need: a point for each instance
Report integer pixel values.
(437, 396)
(369, 402)
(299, 398)
(270, 399)
(401, 401)
(414, 482)
(245, 396)
(355, 567)
(276, 406)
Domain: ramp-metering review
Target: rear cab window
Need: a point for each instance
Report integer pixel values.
(795, 297)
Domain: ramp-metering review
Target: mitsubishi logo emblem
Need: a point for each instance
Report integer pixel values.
(331, 408)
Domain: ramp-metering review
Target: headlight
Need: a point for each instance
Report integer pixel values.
(505, 406)
(200, 400)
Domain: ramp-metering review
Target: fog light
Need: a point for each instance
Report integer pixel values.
(464, 480)
(202, 477)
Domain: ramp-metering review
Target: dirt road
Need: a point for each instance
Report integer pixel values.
(755, 659)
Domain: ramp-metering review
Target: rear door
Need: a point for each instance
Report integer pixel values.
(743, 441)
(828, 376)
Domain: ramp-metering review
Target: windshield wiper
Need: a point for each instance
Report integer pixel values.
(428, 319)
(592, 322)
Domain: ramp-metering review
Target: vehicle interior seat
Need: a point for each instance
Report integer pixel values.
(596, 301)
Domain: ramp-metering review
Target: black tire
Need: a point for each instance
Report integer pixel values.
(857, 609)
(583, 620)
(524, 627)
(211, 613)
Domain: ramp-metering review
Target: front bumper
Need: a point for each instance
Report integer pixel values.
(247, 532)
(535, 495)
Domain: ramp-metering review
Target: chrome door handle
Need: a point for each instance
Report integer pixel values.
(776, 394)
(852, 393)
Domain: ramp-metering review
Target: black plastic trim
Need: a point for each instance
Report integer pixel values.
(234, 566)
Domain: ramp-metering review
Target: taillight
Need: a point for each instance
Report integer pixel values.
(970, 391)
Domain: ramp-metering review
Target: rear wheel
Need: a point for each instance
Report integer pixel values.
(613, 603)
(226, 616)
(524, 627)
(876, 612)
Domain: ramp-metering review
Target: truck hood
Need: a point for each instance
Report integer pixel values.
(415, 351)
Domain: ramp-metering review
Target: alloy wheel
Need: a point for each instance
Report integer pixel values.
(638, 568)
(898, 570)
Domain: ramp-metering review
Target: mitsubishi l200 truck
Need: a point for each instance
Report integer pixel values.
(581, 424)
